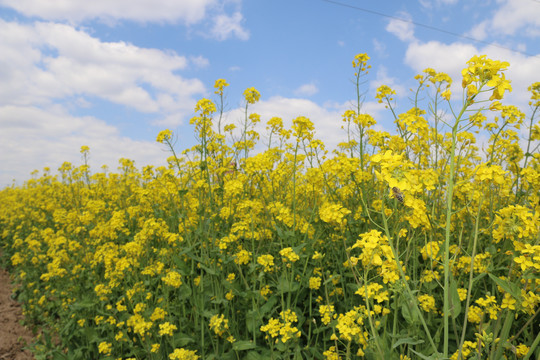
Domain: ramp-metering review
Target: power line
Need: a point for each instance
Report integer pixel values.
(427, 27)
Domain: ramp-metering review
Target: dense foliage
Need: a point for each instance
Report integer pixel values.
(405, 246)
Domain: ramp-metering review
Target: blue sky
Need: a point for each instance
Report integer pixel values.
(112, 74)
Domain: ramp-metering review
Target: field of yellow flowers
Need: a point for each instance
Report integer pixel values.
(418, 245)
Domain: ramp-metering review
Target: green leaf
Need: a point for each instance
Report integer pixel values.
(91, 335)
(407, 340)
(182, 192)
(455, 302)
(282, 347)
(183, 339)
(185, 292)
(406, 313)
(409, 311)
(253, 321)
(285, 285)
(268, 305)
(243, 345)
(298, 249)
(178, 260)
(508, 286)
(59, 356)
(84, 304)
(253, 355)
(436, 356)
(479, 277)
(208, 270)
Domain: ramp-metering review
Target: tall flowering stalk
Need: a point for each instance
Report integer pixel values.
(480, 73)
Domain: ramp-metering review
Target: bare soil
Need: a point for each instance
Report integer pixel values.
(14, 337)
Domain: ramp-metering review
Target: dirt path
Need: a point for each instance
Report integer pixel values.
(13, 336)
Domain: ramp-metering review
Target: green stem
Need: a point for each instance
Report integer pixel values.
(446, 260)
(471, 276)
(294, 187)
(533, 347)
(504, 334)
(370, 320)
(405, 282)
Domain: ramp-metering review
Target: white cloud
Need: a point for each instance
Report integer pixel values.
(226, 26)
(452, 58)
(514, 16)
(199, 61)
(327, 119)
(34, 138)
(441, 57)
(479, 31)
(306, 90)
(45, 62)
(384, 78)
(209, 13)
(430, 4)
(404, 30)
(187, 11)
(46, 69)
(379, 47)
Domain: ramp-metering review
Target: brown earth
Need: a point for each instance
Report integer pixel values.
(14, 337)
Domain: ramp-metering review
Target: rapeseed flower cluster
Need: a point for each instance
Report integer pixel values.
(219, 324)
(390, 246)
(282, 328)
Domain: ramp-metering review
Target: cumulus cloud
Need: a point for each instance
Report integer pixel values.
(449, 58)
(210, 14)
(33, 138)
(47, 68)
(44, 62)
(452, 58)
(403, 29)
(326, 118)
(511, 17)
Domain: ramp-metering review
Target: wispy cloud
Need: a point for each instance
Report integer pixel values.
(226, 26)
(307, 90)
(187, 11)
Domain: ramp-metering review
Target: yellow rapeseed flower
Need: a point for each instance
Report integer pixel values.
(105, 348)
(173, 279)
(183, 354)
(166, 329)
(219, 324)
(288, 254)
